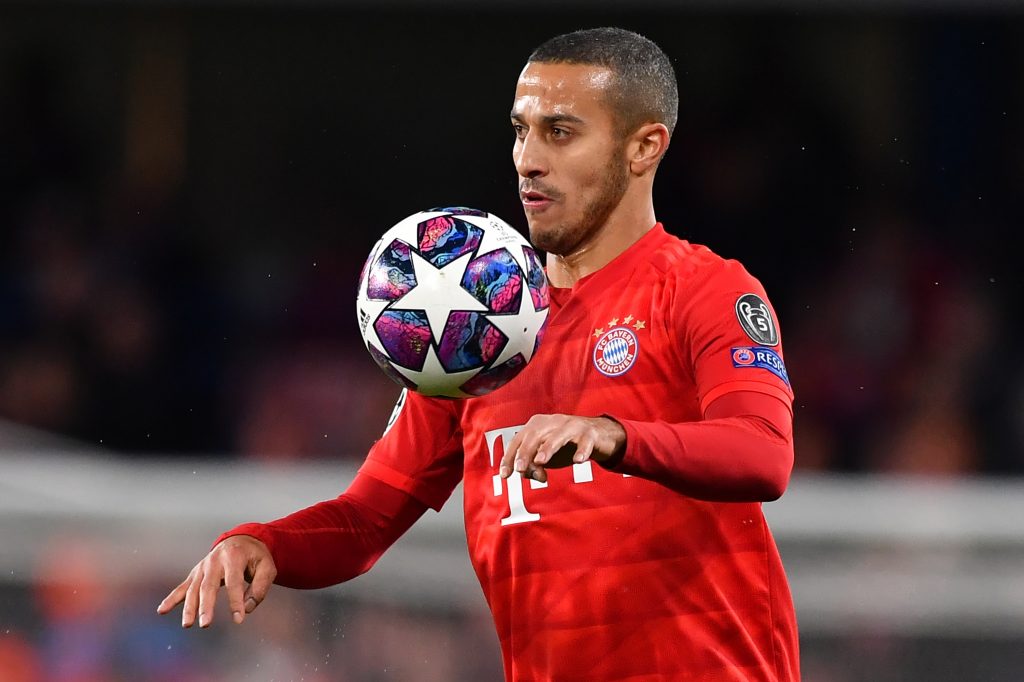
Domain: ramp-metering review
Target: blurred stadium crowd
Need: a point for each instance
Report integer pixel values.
(186, 199)
(867, 170)
(89, 632)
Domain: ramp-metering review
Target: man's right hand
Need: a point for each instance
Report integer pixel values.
(242, 564)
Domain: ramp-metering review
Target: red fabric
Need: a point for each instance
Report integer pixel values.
(599, 576)
(338, 539)
(741, 452)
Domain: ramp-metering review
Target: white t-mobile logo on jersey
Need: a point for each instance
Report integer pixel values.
(517, 511)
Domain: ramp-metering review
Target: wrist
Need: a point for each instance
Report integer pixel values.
(614, 444)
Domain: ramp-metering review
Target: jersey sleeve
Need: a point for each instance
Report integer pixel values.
(335, 540)
(731, 337)
(742, 451)
(421, 450)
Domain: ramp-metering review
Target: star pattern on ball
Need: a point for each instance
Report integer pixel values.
(438, 291)
(497, 237)
(426, 379)
(521, 329)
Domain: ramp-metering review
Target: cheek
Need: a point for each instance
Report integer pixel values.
(588, 174)
(596, 180)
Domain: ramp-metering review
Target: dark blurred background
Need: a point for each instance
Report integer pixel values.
(188, 190)
(187, 194)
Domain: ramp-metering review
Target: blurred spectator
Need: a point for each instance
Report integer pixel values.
(311, 402)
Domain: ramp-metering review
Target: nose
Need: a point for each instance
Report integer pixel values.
(529, 157)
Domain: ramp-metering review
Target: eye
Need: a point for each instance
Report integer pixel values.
(559, 133)
(519, 129)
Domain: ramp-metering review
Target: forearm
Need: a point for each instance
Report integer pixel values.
(742, 451)
(336, 540)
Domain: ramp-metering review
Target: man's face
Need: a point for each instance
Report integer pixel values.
(568, 152)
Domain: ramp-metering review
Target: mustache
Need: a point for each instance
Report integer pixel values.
(534, 186)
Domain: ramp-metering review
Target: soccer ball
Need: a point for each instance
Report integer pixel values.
(452, 302)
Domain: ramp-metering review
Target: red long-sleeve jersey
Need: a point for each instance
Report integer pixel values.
(659, 567)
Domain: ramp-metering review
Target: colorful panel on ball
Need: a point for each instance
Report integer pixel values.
(495, 377)
(460, 210)
(405, 335)
(536, 279)
(469, 341)
(391, 276)
(385, 364)
(496, 280)
(444, 238)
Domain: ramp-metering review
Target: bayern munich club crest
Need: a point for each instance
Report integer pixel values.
(616, 351)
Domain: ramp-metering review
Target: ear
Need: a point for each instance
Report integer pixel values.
(646, 146)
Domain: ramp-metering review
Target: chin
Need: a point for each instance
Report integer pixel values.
(541, 236)
(536, 231)
(555, 240)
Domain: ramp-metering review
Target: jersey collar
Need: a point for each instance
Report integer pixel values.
(618, 267)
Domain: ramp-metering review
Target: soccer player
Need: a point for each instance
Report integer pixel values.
(613, 489)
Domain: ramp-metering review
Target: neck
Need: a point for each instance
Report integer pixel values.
(623, 228)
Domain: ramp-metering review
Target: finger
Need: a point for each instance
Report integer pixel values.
(584, 449)
(522, 443)
(505, 468)
(533, 437)
(548, 448)
(538, 474)
(188, 612)
(208, 595)
(234, 586)
(555, 442)
(173, 598)
(523, 446)
(263, 577)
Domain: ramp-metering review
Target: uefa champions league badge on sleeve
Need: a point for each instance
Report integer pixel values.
(756, 320)
(617, 345)
(759, 357)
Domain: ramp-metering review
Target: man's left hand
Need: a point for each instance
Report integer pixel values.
(552, 441)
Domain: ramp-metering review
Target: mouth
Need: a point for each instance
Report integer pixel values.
(535, 201)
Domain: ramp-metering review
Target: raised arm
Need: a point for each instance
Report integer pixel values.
(741, 452)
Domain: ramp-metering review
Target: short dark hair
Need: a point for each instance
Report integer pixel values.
(645, 86)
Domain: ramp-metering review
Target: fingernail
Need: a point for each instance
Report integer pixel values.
(520, 465)
(250, 604)
(204, 620)
(237, 615)
(504, 471)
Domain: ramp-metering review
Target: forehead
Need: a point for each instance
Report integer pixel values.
(551, 89)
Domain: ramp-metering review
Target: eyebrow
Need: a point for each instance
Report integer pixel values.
(552, 119)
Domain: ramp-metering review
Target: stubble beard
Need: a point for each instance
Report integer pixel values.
(567, 238)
